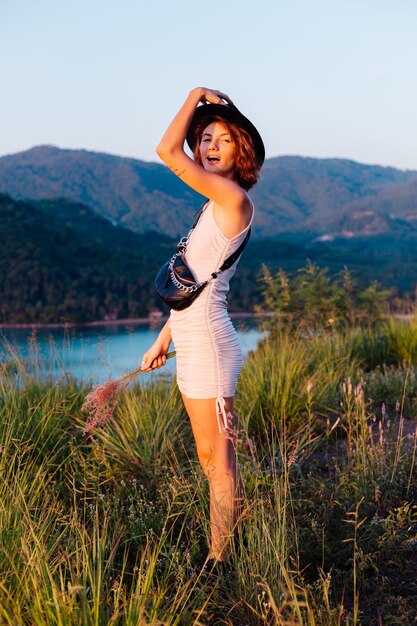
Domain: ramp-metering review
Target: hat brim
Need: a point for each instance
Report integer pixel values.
(229, 113)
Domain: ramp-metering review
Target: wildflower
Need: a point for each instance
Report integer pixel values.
(309, 387)
(292, 454)
(347, 389)
(381, 434)
(358, 392)
(100, 403)
(330, 321)
(383, 410)
(412, 436)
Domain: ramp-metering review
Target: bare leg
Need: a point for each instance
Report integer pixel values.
(217, 456)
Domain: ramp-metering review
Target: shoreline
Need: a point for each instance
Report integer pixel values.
(152, 320)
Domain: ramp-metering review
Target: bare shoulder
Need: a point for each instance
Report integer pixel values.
(234, 216)
(235, 200)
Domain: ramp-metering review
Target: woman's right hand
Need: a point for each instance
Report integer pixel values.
(213, 96)
(155, 357)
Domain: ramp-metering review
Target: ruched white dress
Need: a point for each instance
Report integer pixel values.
(209, 357)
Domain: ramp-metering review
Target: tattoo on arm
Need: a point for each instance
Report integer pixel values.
(176, 170)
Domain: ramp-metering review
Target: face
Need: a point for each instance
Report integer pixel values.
(217, 150)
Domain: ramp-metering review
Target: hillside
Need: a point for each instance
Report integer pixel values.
(316, 197)
(142, 196)
(60, 261)
(57, 269)
(94, 252)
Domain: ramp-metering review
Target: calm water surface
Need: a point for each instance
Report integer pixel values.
(94, 354)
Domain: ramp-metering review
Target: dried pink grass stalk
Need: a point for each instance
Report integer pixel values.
(100, 403)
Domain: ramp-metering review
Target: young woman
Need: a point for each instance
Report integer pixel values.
(228, 154)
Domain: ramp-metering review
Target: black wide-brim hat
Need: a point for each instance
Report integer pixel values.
(229, 113)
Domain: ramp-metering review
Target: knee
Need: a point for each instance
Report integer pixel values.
(215, 456)
(207, 456)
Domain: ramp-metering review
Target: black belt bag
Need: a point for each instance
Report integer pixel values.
(175, 283)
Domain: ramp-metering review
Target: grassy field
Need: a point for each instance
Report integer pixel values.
(115, 530)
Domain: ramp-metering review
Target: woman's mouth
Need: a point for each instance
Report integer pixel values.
(213, 159)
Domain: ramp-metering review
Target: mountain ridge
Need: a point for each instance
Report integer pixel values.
(295, 194)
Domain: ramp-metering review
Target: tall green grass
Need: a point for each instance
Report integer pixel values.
(115, 530)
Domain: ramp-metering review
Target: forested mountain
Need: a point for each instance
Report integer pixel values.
(322, 196)
(60, 261)
(70, 264)
(91, 230)
(142, 196)
(316, 197)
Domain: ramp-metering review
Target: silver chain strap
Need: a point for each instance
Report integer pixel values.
(177, 283)
(182, 245)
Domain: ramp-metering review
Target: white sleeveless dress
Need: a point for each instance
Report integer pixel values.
(209, 357)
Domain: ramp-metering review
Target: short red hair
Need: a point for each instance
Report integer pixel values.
(247, 163)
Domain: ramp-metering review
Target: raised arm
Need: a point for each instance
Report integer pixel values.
(224, 192)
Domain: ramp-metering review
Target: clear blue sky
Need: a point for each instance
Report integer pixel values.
(323, 78)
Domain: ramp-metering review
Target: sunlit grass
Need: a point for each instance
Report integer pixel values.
(114, 529)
